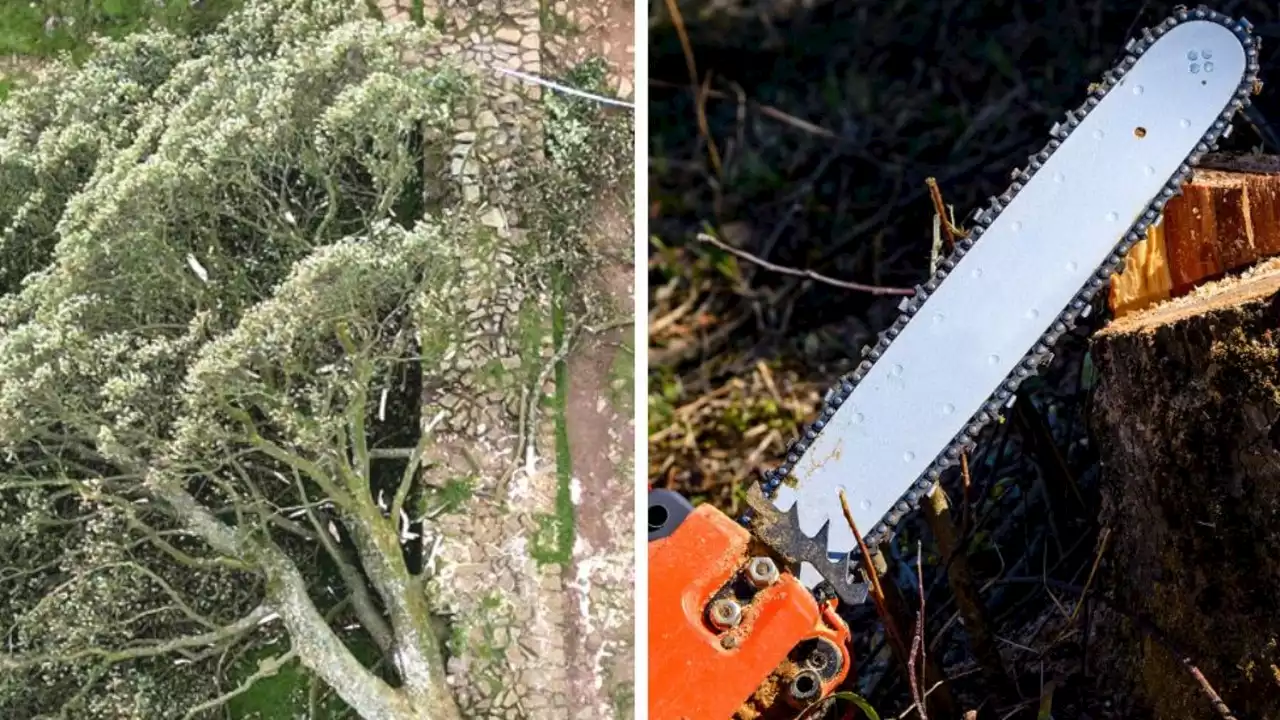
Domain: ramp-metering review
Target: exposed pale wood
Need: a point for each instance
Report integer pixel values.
(1227, 218)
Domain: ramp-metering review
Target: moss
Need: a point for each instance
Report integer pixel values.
(553, 23)
(622, 380)
(1246, 363)
(453, 495)
(624, 700)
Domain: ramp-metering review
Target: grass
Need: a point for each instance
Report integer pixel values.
(42, 30)
(553, 540)
(454, 495)
(284, 695)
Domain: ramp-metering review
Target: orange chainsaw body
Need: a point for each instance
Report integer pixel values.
(699, 672)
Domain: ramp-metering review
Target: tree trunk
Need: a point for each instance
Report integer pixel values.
(1187, 417)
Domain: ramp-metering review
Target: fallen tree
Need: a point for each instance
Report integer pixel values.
(215, 264)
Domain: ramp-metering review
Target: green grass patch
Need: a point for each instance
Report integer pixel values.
(553, 538)
(43, 29)
(455, 493)
(417, 13)
(284, 695)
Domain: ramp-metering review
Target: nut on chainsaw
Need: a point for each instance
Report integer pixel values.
(728, 615)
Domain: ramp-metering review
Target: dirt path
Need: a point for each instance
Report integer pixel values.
(600, 412)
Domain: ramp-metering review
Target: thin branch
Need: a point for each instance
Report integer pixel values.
(245, 624)
(1214, 698)
(917, 640)
(766, 110)
(411, 468)
(949, 228)
(361, 599)
(877, 591)
(812, 275)
(267, 667)
(699, 94)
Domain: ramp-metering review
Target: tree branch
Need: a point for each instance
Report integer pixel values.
(318, 647)
(267, 667)
(10, 663)
(361, 600)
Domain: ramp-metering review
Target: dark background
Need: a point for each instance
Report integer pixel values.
(827, 118)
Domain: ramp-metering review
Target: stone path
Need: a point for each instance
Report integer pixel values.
(527, 640)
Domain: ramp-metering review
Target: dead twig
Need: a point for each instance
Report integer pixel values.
(1218, 704)
(766, 110)
(937, 513)
(917, 641)
(877, 591)
(947, 219)
(1097, 558)
(699, 93)
(1148, 628)
(810, 274)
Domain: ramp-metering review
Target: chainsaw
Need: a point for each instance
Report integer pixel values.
(742, 612)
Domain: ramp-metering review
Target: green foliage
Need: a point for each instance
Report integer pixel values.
(52, 27)
(454, 495)
(206, 244)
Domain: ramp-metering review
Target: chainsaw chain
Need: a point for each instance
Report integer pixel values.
(1040, 353)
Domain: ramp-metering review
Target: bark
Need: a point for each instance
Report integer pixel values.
(320, 650)
(418, 657)
(1187, 418)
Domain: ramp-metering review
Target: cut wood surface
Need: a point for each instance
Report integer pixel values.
(1227, 218)
(1187, 421)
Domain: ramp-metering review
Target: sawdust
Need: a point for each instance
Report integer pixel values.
(1253, 285)
(768, 694)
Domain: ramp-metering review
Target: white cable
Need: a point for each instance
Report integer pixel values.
(562, 88)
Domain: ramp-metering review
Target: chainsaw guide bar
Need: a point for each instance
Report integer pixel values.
(990, 315)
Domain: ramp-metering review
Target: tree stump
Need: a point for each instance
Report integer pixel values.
(1187, 419)
(1227, 218)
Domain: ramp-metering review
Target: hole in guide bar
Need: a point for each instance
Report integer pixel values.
(1140, 132)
